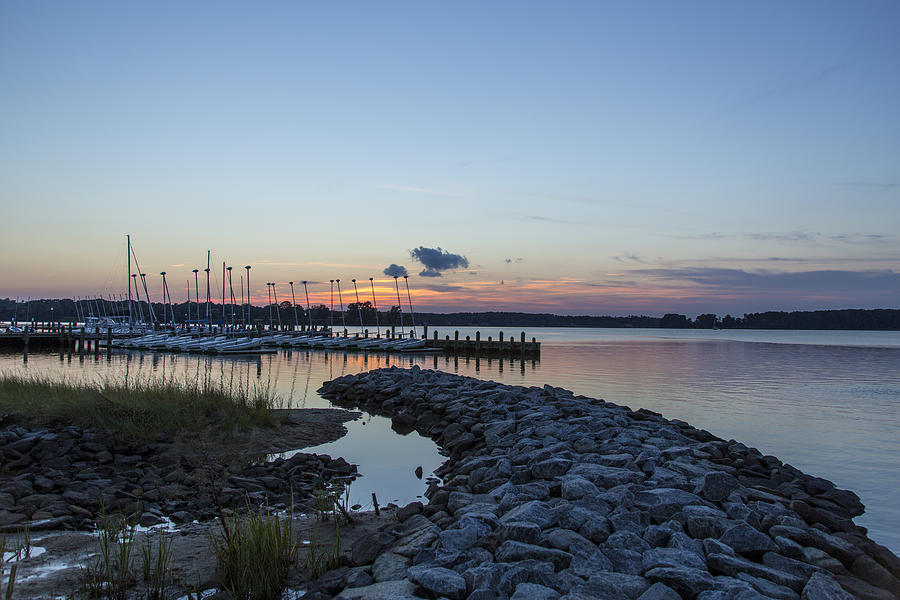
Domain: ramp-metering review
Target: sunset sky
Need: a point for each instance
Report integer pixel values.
(578, 157)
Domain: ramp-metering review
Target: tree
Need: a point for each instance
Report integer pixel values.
(706, 321)
(674, 321)
(367, 310)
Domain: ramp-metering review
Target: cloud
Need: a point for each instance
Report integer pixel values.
(880, 185)
(396, 271)
(794, 237)
(437, 259)
(513, 260)
(628, 258)
(794, 85)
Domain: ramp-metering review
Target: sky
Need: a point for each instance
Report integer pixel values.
(578, 158)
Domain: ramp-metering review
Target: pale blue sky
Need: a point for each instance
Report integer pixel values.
(637, 157)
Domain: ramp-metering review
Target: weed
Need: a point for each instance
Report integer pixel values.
(255, 554)
(110, 576)
(157, 566)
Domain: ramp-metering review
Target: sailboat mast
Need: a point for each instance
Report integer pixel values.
(231, 291)
(208, 321)
(399, 304)
(308, 308)
(223, 294)
(375, 304)
(358, 308)
(341, 300)
(294, 304)
(277, 308)
(130, 318)
(412, 316)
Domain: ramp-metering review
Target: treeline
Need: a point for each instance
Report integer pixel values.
(64, 310)
(881, 319)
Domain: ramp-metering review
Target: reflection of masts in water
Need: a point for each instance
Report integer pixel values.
(412, 316)
(341, 299)
(308, 308)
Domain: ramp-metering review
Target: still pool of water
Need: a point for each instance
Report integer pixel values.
(826, 402)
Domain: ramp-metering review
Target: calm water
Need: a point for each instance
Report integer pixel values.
(826, 402)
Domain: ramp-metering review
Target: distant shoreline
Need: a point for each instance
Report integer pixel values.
(882, 319)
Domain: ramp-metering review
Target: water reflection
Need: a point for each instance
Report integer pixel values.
(831, 410)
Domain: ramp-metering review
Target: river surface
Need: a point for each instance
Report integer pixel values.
(826, 402)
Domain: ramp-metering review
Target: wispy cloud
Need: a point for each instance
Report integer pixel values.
(625, 258)
(882, 281)
(881, 185)
(793, 85)
(797, 237)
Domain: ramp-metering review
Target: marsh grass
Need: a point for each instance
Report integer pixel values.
(255, 554)
(109, 576)
(137, 409)
(157, 566)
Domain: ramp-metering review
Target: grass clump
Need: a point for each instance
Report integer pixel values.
(109, 576)
(135, 410)
(255, 554)
(157, 566)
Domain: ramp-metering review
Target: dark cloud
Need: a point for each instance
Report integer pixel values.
(795, 237)
(440, 287)
(513, 260)
(437, 259)
(628, 258)
(395, 271)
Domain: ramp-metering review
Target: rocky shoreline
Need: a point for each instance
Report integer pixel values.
(64, 478)
(550, 495)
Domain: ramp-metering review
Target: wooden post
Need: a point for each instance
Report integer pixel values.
(467, 346)
(435, 336)
(425, 332)
(456, 342)
(375, 504)
(81, 342)
(534, 348)
(477, 343)
(523, 345)
(500, 346)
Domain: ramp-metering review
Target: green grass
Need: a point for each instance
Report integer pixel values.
(255, 554)
(138, 409)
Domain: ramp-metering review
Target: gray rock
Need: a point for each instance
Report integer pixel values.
(358, 577)
(416, 538)
(686, 581)
(386, 590)
(390, 567)
(659, 591)
(551, 468)
(662, 503)
(606, 477)
(606, 584)
(439, 580)
(672, 557)
(824, 587)
(535, 511)
(533, 591)
(748, 541)
(789, 565)
(413, 508)
(576, 486)
(367, 548)
(867, 569)
(716, 486)
(732, 565)
(520, 531)
(769, 589)
(512, 551)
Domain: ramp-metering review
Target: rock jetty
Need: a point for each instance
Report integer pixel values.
(550, 495)
(66, 478)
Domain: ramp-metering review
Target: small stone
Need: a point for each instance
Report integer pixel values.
(390, 566)
(659, 591)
